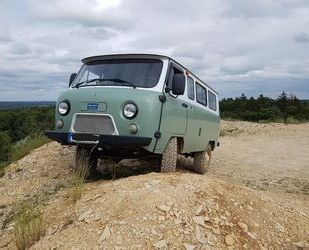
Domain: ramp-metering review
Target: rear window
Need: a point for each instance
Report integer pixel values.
(201, 94)
(212, 99)
(190, 84)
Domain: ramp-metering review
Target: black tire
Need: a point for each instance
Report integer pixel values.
(86, 160)
(169, 157)
(202, 160)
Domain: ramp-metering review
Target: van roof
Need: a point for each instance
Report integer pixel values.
(139, 55)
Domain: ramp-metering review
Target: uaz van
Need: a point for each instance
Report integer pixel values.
(136, 105)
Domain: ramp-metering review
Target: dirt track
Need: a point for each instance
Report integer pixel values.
(255, 196)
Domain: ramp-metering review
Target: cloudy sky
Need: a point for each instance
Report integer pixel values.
(247, 46)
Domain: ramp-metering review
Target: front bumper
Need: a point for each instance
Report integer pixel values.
(82, 138)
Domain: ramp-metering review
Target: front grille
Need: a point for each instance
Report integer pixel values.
(94, 124)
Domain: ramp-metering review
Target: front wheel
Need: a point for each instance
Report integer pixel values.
(169, 157)
(202, 160)
(86, 161)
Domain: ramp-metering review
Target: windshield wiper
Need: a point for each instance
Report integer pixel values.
(88, 81)
(117, 80)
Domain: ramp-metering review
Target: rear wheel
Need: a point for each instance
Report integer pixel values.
(169, 157)
(202, 160)
(86, 161)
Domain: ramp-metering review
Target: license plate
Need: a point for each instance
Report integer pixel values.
(92, 106)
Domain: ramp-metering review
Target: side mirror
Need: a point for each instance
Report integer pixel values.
(178, 84)
(72, 78)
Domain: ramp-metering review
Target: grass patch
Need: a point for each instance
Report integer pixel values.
(22, 149)
(29, 226)
(80, 175)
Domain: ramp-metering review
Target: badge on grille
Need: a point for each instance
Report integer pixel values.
(92, 106)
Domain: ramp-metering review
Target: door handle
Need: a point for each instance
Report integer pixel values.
(185, 105)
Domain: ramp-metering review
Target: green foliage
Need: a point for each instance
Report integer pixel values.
(21, 130)
(5, 146)
(287, 109)
(20, 123)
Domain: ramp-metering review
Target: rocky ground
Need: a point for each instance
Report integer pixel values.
(255, 196)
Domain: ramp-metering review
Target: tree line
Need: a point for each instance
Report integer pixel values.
(285, 108)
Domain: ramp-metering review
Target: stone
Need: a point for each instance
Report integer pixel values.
(105, 235)
(280, 228)
(95, 217)
(252, 235)
(199, 220)
(189, 246)
(243, 226)
(93, 197)
(161, 218)
(199, 236)
(118, 240)
(160, 244)
(206, 218)
(198, 210)
(163, 208)
(169, 203)
(177, 221)
(229, 240)
(249, 207)
(84, 215)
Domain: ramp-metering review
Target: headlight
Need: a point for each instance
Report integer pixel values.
(130, 110)
(64, 107)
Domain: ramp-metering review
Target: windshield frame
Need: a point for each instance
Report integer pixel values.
(102, 61)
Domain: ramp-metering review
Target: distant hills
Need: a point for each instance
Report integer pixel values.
(20, 104)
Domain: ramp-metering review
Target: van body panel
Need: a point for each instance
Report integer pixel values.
(112, 101)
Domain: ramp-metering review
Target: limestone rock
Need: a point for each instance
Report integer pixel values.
(105, 235)
(164, 208)
(189, 246)
(160, 244)
(229, 240)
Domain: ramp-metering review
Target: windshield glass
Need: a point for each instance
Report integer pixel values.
(144, 73)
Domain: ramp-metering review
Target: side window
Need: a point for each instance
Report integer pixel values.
(190, 87)
(201, 95)
(212, 101)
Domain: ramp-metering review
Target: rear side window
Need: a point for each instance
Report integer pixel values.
(201, 94)
(212, 99)
(190, 84)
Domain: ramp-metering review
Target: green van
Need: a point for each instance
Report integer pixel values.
(138, 105)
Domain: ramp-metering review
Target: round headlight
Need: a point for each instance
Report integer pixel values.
(63, 108)
(130, 110)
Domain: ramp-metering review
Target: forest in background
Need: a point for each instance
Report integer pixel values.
(286, 109)
(22, 130)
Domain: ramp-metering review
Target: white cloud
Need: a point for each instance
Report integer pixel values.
(238, 46)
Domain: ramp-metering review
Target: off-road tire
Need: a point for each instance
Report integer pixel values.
(202, 160)
(169, 157)
(86, 157)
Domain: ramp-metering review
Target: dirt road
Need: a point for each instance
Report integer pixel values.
(255, 196)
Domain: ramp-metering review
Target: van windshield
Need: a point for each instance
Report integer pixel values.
(144, 73)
